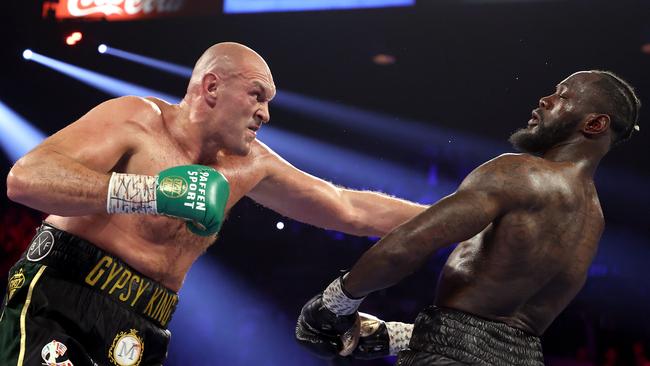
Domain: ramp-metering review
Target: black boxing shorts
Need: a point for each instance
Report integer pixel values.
(68, 303)
(450, 337)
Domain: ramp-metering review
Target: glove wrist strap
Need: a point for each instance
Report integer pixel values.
(131, 193)
(399, 336)
(337, 301)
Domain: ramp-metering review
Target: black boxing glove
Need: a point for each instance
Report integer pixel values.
(325, 318)
(319, 329)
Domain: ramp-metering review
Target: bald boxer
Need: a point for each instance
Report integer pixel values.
(528, 227)
(136, 190)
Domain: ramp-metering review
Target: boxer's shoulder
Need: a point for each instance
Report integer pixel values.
(130, 105)
(262, 153)
(539, 182)
(261, 149)
(127, 113)
(505, 169)
(513, 163)
(515, 180)
(148, 113)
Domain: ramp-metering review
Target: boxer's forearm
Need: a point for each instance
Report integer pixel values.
(453, 219)
(393, 258)
(377, 214)
(55, 184)
(315, 201)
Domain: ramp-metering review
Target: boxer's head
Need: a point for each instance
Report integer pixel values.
(587, 105)
(231, 86)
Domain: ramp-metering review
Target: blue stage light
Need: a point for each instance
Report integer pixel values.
(107, 84)
(169, 67)
(264, 6)
(17, 135)
(419, 137)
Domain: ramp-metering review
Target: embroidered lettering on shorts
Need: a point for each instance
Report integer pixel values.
(120, 282)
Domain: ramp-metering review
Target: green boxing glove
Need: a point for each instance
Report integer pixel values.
(195, 193)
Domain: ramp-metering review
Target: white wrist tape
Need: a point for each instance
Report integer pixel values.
(399, 336)
(336, 301)
(131, 193)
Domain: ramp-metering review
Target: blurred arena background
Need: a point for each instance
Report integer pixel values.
(402, 96)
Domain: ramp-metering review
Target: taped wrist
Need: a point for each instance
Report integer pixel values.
(399, 336)
(131, 193)
(337, 301)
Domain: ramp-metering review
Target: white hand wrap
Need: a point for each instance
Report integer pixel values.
(336, 301)
(131, 193)
(399, 336)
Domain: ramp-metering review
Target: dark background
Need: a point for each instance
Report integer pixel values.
(475, 69)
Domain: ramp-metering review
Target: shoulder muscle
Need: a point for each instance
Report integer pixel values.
(107, 132)
(512, 180)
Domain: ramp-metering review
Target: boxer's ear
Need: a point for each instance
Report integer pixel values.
(210, 87)
(595, 124)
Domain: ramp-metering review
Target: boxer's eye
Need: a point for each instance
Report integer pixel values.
(257, 95)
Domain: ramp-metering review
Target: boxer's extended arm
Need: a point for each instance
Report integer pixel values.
(496, 187)
(309, 199)
(500, 185)
(67, 173)
(195, 193)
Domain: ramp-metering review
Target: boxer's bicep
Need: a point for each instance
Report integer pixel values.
(312, 200)
(453, 219)
(301, 196)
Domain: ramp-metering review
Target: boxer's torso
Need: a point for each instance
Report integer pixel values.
(525, 267)
(160, 247)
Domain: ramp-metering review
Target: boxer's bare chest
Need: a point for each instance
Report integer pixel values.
(158, 246)
(160, 153)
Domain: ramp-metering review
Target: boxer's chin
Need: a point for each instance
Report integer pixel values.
(526, 141)
(542, 137)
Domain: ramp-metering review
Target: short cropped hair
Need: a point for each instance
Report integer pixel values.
(622, 105)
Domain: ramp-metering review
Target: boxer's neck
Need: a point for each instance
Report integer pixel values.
(189, 127)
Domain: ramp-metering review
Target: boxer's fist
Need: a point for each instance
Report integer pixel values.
(319, 330)
(195, 193)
